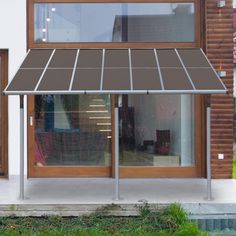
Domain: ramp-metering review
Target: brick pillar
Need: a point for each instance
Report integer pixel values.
(219, 49)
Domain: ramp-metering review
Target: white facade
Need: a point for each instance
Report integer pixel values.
(13, 37)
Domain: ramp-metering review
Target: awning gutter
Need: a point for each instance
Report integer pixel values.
(65, 92)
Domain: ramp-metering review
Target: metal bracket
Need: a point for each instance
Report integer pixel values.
(31, 120)
(208, 101)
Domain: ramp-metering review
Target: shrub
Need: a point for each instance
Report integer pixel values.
(189, 229)
(169, 221)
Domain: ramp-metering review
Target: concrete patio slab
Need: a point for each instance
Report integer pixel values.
(65, 195)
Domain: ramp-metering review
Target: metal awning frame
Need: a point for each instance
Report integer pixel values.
(117, 166)
(130, 91)
(117, 92)
(70, 91)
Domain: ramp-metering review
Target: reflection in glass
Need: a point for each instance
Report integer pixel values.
(114, 22)
(72, 130)
(156, 130)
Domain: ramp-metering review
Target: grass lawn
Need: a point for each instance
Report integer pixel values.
(170, 221)
(234, 169)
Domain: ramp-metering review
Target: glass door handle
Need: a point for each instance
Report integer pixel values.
(31, 120)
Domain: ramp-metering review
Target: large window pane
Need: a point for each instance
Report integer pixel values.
(114, 22)
(72, 130)
(157, 130)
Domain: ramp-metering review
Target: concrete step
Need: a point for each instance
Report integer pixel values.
(67, 209)
(217, 225)
(218, 219)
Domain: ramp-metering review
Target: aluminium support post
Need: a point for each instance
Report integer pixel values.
(21, 147)
(208, 126)
(117, 161)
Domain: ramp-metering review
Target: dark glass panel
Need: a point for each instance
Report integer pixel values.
(87, 79)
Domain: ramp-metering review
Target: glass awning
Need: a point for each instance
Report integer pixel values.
(115, 71)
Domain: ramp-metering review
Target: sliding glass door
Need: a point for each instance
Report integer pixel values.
(72, 131)
(160, 135)
(72, 135)
(157, 130)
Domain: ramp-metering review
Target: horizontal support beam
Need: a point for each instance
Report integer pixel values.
(66, 92)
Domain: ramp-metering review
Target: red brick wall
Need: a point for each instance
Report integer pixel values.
(219, 49)
(234, 36)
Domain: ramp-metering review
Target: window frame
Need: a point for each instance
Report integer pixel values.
(4, 111)
(129, 172)
(33, 44)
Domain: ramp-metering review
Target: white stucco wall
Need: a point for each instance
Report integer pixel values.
(13, 38)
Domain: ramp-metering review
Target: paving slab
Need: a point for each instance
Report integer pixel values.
(75, 196)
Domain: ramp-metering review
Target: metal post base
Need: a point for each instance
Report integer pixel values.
(209, 199)
(117, 193)
(117, 198)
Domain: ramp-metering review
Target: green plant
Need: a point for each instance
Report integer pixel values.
(234, 169)
(176, 212)
(168, 221)
(189, 229)
(172, 217)
(144, 209)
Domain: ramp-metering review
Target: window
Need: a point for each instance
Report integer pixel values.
(72, 130)
(114, 22)
(92, 24)
(157, 130)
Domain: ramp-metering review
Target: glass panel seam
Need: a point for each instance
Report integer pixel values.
(102, 69)
(41, 77)
(24, 59)
(213, 69)
(130, 70)
(189, 78)
(5, 90)
(159, 69)
(74, 69)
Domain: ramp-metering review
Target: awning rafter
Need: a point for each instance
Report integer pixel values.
(115, 71)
